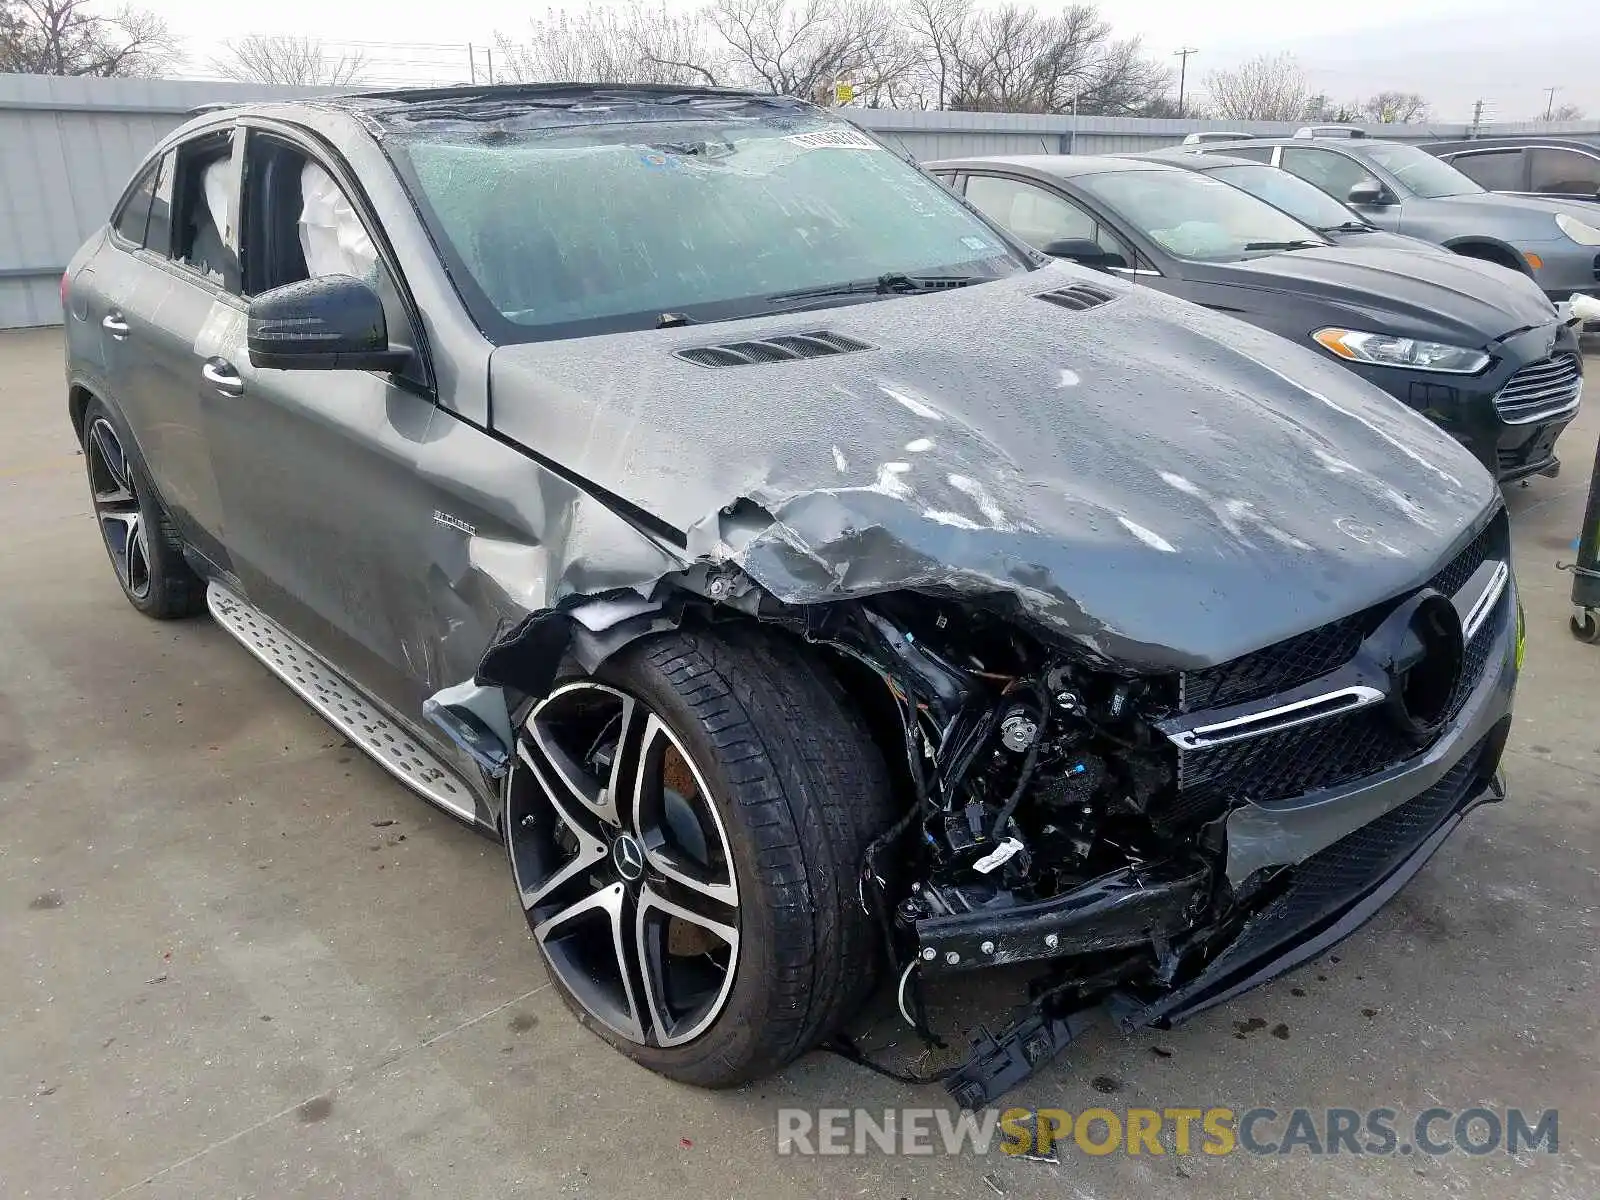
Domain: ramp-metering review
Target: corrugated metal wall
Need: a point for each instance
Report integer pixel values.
(68, 146)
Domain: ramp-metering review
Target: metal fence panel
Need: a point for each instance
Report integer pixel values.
(67, 148)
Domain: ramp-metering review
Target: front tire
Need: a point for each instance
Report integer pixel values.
(145, 549)
(685, 830)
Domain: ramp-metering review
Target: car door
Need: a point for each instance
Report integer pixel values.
(1336, 174)
(152, 296)
(325, 506)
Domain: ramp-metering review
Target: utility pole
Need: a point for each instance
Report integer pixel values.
(1477, 118)
(1183, 72)
(1550, 103)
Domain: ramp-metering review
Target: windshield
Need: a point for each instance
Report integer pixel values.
(1420, 172)
(1307, 204)
(573, 230)
(1195, 216)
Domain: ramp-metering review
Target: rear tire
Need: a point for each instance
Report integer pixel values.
(794, 789)
(145, 549)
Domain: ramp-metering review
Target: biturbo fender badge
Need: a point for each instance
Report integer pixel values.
(1420, 648)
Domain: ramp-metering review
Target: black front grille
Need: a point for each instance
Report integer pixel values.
(1307, 758)
(1291, 762)
(1540, 390)
(1305, 656)
(1330, 752)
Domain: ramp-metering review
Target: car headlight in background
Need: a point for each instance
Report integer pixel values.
(1584, 235)
(1388, 350)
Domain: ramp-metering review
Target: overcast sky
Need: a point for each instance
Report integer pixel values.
(1452, 51)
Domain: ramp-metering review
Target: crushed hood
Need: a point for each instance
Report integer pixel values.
(1165, 486)
(1444, 296)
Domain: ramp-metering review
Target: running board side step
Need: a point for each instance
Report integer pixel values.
(342, 704)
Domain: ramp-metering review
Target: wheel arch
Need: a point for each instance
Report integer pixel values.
(1489, 250)
(78, 397)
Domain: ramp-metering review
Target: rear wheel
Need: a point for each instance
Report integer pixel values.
(146, 551)
(685, 830)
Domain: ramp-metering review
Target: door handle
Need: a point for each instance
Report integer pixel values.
(114, 324)
(220, 374)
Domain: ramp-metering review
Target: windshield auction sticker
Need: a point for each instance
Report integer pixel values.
(843, 138)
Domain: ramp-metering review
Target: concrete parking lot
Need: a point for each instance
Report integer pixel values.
(237, 959)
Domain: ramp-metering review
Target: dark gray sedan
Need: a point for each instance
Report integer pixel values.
(1471, 344)
(805, 582)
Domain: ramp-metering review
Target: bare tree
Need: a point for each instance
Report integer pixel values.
(1016, 59)
(612, 44)
(1321, 107)
(1390, 108)
(289, 60)
(937, 30)
(802, 47)
(69, 37)
(1563, 112)
(1266, 88)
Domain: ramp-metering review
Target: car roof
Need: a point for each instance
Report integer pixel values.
(1189, 160)
(1514, 141)
(1343, 143)
(1062, 166)
(555, 104)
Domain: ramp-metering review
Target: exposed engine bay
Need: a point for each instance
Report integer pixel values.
(1053, 812)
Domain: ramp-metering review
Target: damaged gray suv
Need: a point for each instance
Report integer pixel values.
(809, 584)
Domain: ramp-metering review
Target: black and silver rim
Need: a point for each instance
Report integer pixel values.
(623, 865)
(116, 506)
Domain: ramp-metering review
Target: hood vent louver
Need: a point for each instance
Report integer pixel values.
(784, 348)
(1078, 297)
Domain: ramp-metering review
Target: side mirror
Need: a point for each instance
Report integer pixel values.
(1370, 194)
(330, 323)
(1085, 252)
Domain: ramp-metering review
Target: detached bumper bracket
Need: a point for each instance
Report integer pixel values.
(998, 1064)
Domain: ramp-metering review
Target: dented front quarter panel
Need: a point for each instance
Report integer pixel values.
(1165, 487)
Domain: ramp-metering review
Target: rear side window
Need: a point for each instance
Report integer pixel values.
(1497, 170)
(131, 219)
(1566, 172)
(1256, 153)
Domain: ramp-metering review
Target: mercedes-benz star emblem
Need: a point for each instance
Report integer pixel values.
(1424, 663)
(629, 857)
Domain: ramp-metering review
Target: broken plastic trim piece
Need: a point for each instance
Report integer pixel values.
(998, 1064)
(474, 717)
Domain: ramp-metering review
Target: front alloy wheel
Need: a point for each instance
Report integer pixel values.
(685, 829)
(624, 867)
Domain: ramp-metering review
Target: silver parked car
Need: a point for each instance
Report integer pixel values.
(809, 583)
(1404, 189)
